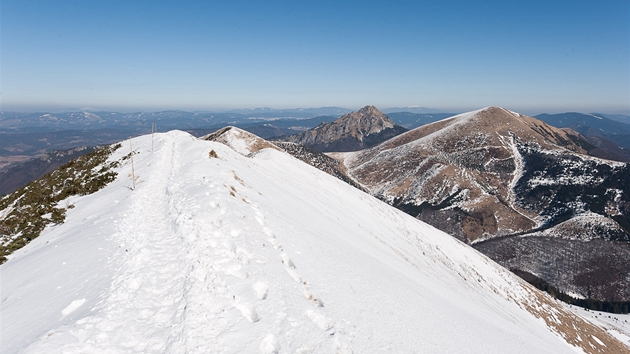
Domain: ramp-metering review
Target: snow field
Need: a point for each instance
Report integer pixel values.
(254, 255)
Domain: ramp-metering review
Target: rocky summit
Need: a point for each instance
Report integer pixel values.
(351, 132)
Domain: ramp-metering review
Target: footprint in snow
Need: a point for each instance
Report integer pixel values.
(319, 320)
(260, 289)
(267, 231)
(260, 217)
(276, 245)
(308, 295)
(248, 311)
(289, 267)
(287, 261)
(341, 347)
(269, 345)
(293, 274)
(237, 271)
(73, 306)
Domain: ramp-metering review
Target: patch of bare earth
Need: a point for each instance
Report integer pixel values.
(573, 329)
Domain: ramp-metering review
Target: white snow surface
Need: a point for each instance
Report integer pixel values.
(254, 255)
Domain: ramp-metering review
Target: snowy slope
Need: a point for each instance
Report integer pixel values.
(263, 255)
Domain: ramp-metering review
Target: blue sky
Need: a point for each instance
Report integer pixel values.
(532, 57)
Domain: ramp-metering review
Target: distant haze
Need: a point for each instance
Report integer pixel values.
(451, 56)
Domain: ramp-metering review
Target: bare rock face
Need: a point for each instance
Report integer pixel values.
(497, 179)
(351, 132)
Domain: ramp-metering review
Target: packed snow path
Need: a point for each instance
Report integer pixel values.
(149, 285)
(183, 275)
(231, 254)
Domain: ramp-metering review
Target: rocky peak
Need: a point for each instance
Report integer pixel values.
(353, 131)
(367, 120)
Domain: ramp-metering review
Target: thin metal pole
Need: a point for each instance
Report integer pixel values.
(133, 171)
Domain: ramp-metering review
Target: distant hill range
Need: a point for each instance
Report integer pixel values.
(352, 131)
(413, 120)
(24, 135)
(39, 143)
(295, 112)
(20, 174)
(594, 124)
(617, 117)
(411, 109)
(165, 120)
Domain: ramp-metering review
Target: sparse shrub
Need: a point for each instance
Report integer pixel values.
(23, 212)
(213, 154)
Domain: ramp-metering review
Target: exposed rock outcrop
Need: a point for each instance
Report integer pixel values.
(353, 131)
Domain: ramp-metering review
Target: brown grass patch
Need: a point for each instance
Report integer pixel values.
(572, 328)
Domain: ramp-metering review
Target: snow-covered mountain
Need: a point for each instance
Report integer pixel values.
(352, 131)
(521, 191)
(217, 252)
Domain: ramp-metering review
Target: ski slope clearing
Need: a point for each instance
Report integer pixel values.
(263, 254)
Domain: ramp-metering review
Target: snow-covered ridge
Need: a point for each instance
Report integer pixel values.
(228, 254)
(239, 140)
